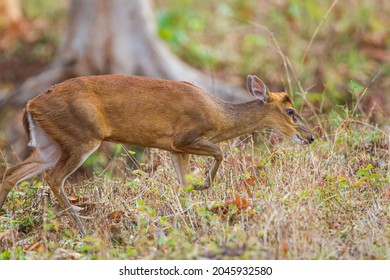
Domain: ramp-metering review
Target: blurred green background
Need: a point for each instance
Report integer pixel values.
(334, 49)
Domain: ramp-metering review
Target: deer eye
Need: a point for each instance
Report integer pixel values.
(290, 112)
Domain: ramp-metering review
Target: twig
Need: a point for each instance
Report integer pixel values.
(318, 29)
(286, 62)
(371, 126)
(365, 90)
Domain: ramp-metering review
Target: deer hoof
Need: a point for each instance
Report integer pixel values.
(201, 187)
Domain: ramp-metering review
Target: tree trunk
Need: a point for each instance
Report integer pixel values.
(11, 22)
(10, 12)
(117, 36)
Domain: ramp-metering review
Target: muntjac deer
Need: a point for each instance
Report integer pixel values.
(69, 121)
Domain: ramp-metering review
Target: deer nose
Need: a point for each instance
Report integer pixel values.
(311, 139)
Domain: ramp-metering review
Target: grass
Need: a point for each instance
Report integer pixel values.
(271, 199)
(326, 201)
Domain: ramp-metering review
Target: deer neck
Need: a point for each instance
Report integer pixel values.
(241, 119)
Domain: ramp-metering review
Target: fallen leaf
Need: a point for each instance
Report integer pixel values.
(240, 202)
(116, 216)
(387, 193)
(246, 185)
(284, 248)
(37, 246)
(250, 181)
(77, 199)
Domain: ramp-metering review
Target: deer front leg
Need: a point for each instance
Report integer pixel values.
(210, 175)
(204, 147)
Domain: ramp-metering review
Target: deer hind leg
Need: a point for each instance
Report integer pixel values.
(67, 164)
(45, 155)
(180, 163)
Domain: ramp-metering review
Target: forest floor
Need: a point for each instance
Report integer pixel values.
(329, 200)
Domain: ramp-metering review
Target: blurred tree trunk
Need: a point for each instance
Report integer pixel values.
(11, 22)
(117, 36)
(10, 12)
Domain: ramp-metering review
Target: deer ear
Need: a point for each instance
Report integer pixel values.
(257, 88)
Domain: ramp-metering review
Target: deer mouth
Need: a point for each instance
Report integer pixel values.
(297, 139)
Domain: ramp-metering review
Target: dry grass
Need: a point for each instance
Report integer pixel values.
(326, 201)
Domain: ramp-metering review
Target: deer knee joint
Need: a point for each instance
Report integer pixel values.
(219, 157)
